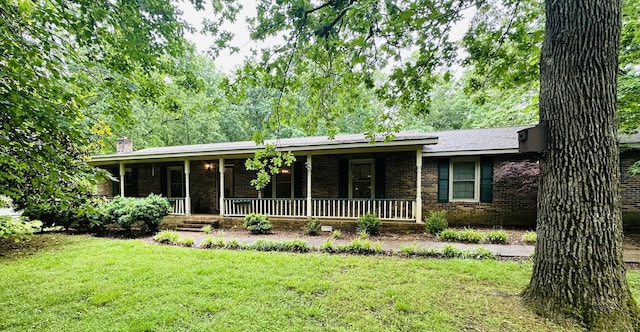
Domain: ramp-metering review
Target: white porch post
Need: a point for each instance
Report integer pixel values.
(122, 173)
(418, 206)
(187, 194)
(309, 209)
(221, 165)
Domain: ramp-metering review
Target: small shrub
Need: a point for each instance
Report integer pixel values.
(166, 237)
(211, 243)
(233, 244)
(450, 251)
(497, 236)
(449, 235)
(370, 224)
(5, 202)
(328, 246)
(312, 227)
(362, 235)
(18, 228)
(530, 237)
(220, 233)
(206, 229)
(337, 234)
(409, 249)
(377, 248)
(185, 242)
(257, 223)
(471, 236)
(436, 222)
(428, 252)
(482, 253)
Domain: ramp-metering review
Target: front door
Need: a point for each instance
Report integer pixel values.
(175, 179)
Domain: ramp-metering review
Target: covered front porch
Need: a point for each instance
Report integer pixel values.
(338, 181)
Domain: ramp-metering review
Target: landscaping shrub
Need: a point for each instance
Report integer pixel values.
(206, 229)
(233, 244)
(257, 223)
(5, 201)
(436, 222)
(362, 235)
(408, 249)
(328, 246)
(185, 242)
(284, 246)
(18, 228)
(312, 227)
(530, 237)
(166, 237)
(370, 224)
(449, 235)
(497, 236)
(82, 215)
(481, 253)
(127, 212)
(336, 234)
(210, 243)
(471, 236)
(450, 251)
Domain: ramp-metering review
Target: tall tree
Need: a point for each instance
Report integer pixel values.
(578, 267)
(56, 58)
(578, 273)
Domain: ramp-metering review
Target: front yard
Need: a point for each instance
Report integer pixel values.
(82, 283)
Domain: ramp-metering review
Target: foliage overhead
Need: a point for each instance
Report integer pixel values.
(60, 58)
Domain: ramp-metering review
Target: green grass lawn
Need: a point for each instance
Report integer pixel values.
(79, 283)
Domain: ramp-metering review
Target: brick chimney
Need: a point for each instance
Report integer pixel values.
(124, 145)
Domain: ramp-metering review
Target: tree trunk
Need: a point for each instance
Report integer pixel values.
(578, 273)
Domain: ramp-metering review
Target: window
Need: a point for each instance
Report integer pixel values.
(361, 184)
(465, 179)
(283, 183)
(175, 179)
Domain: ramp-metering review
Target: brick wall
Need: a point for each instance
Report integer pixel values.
(509, 207)
(630, 190)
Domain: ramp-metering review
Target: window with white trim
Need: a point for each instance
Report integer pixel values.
(464, 180)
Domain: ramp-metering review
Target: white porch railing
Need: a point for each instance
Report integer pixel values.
(395, 209)
(277, 207)
(339, 208)
(178, 205)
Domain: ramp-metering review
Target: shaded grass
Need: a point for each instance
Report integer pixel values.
(81, 283)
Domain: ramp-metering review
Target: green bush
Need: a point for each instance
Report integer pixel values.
(233, 244)
(336, 234)
(127, 212)
(312, 227)
(18, 228)
(481, 253)
(257, 223)
(409, 249)
(370, 224)
(82, 215)
(497, 236)
(530, 237)
(210, 242)
(471, 236)
(449, 235)
(167, 237)
(5, 201)
(185, 242)
(284, 246)
(328, 246)
(206, 229)
(436, 222)
(450, 251)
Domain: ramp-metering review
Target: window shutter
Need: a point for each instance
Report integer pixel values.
(443, 181)
(486, 180)
(343, 178)
(298, 177)
(163, 181)
(380, 175)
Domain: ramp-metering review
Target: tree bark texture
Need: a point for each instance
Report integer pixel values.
(578, 273)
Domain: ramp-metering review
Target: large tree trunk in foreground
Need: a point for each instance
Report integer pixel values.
(578, 273)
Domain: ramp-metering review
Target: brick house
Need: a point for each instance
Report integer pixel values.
(347, 177)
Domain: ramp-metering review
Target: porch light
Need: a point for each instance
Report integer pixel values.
(285, 171)
(209, 165)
